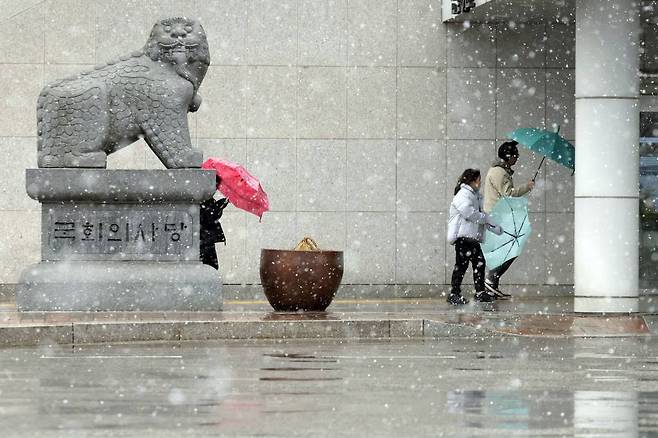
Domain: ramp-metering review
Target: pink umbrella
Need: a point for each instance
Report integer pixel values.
(241, 188)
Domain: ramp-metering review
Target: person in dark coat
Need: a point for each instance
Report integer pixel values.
(210, 212)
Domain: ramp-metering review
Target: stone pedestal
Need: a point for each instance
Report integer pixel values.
(114, 240)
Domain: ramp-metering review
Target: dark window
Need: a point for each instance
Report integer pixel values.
(649, 200)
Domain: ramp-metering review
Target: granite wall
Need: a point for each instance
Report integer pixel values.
(357, 115)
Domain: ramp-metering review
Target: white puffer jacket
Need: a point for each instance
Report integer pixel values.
(466, 216)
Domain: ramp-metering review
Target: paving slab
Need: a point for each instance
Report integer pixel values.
(345, 319)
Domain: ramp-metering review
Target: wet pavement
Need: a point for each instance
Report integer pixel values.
(500, 386)
(346, 319)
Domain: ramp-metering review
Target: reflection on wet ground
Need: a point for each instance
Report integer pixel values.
(446, 387)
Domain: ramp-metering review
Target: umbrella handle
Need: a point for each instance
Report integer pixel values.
(537, 172)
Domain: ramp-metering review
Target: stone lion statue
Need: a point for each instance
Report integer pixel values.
(82, 119)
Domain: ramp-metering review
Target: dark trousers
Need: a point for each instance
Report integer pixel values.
(209, 254)
(493, 276)
(466, 251)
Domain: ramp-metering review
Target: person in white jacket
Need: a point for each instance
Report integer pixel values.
(466, 230)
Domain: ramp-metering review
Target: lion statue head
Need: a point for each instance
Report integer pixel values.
(182, 42)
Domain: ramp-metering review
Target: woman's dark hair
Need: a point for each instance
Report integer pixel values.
(468, 176)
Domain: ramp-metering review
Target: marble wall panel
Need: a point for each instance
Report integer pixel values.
(322, 32)
(420, 242)
(321, 175)
(371, 30)
(371, 175)
(271, 32)
(421, 175)
(370, 248)
(322, 103)
(422, 103)
(371, 102)
(421, 37)
(471, 103)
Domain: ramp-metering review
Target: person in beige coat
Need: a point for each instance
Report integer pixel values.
(497, 184)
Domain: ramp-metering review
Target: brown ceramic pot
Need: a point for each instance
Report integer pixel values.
(300, 280)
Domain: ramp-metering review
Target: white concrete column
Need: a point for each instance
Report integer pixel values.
(607, 156)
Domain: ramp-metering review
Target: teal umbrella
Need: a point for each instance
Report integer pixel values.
(512, 215)
(549, 144)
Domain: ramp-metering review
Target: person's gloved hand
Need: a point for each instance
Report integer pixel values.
(496, 229)
(218, 208)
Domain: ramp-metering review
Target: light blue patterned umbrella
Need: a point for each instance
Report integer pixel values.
(512, 215)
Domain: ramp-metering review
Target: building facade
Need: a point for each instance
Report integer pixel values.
(357, 115)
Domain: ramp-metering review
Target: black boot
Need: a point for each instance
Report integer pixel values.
(484, 297)
(456, 299)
